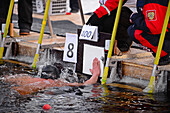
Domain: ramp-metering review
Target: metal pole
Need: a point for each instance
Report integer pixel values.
(151, 86)
(41, 34)
(6, 29)
(106, 69)
(81, 12)
(49, 22)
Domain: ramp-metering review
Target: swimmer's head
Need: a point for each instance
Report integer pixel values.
(56, 71)
(50, 72)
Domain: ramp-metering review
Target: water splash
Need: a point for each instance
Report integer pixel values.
(161, 82)
(131, 80)
(46, 57)
(68, 75)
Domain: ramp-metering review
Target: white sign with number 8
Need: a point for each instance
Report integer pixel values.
(70, 49)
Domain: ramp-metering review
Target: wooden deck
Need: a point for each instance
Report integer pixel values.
(29, 43)
(136, 63)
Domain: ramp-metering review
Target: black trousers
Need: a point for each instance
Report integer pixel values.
(122, 37)
(74, 4)
(24, 13)
(149, 40)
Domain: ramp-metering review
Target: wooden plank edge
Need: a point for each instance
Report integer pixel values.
(52, 45)
(111, 63)
(138, 65)
(131, 56)
(19, 63)
(164, 68)
(125, 86)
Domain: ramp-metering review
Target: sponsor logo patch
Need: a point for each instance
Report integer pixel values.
(151, 15)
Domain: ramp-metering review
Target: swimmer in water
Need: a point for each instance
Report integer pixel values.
(29, 85)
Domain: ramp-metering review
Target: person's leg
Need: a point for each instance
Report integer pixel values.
(74, 6)
(131, 32)
(167, 42)
(25, 16)
(166, 59)
(4, 7)
(124, 41)
(151, 42)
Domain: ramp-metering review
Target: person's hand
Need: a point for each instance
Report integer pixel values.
(130, 21)
(93, 20)
(130, 17)
(96, 67)
(95, 71)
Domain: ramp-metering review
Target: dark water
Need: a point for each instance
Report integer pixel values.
(89, 99)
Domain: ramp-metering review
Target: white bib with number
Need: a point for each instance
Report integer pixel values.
(89, 33)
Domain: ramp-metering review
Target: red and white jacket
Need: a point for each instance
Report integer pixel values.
(106, 7)
(150, 16)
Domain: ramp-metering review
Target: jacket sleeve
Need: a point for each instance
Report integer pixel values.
(110, 4)
(139, 22)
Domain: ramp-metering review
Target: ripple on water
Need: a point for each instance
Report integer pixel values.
(92, 99)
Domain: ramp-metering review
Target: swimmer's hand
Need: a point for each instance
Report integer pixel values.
(95, 71)
(96, 67)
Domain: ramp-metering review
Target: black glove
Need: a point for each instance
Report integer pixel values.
(94, 20)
